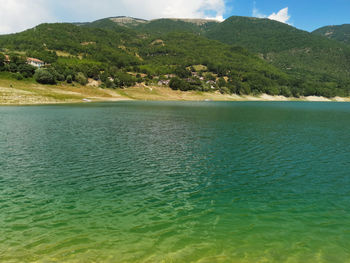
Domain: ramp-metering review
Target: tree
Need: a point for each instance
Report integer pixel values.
(13, 67)
(18, 60)
(69, 79)
(27, 71)
(43, 76)
(2, 60)
(93, 72)
(222, 82)
(58, 76)
(123, 80)
(18, 76)
(178, 84)
(81, 79)
(182, 72)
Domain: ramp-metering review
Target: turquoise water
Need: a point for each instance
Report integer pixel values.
(175, 182)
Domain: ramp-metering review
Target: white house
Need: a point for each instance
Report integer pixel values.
(35, 62)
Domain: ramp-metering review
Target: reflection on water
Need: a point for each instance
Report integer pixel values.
(175, 182)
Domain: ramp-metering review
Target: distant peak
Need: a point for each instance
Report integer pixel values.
(197, 21)
(125, 20)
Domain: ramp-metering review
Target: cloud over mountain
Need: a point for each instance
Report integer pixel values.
(145, 9)
(17, 15)
(282, 16)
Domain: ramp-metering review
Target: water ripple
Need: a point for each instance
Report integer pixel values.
(175, 182)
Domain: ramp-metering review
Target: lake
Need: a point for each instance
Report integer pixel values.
(175, 182)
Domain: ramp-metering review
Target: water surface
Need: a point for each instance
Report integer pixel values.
(175, 182)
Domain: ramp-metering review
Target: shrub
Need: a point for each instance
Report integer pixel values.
(18, 76)
(26, 70)
(43, 76)
(178, 84)
(123, 79)
(69, 79)
(2, 60)
(182, 72)
(81, 79)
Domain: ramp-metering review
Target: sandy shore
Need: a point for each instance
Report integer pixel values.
(22, 93)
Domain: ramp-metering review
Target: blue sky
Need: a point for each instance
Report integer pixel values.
(305, 14)
(18, 15)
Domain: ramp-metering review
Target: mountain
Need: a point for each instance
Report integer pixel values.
(101, 52)
(156, 26)
(295, 51)
(340, 33)
(259, 35)
(305, 56)
(240, 55)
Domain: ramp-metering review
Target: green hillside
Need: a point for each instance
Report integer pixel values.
(340, 33)
(260, 35)
(301, 54)
(120, 57)
(240, 55)
(312, 60)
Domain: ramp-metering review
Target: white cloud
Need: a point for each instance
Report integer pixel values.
(18, 15)
(281, 16)
(147, 9)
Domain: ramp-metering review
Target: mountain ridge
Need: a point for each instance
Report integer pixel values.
(240, 55)
(339, 33)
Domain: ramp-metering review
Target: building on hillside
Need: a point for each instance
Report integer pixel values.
(35, 62)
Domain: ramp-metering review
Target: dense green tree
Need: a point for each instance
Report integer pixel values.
(69, 79)
(2, 61)
(222, 82)
(13, 67)
(27, 71)
(81, 79)
(18, 76)
(124, 80)
(178, 84)
(43, 76)
(182, 72)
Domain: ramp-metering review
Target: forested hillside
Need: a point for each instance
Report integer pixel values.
(340, 33)
(308, 57)
(240, 55)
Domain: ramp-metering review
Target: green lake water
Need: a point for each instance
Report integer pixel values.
(175, 182)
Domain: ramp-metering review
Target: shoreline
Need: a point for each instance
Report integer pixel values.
(27, 94)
